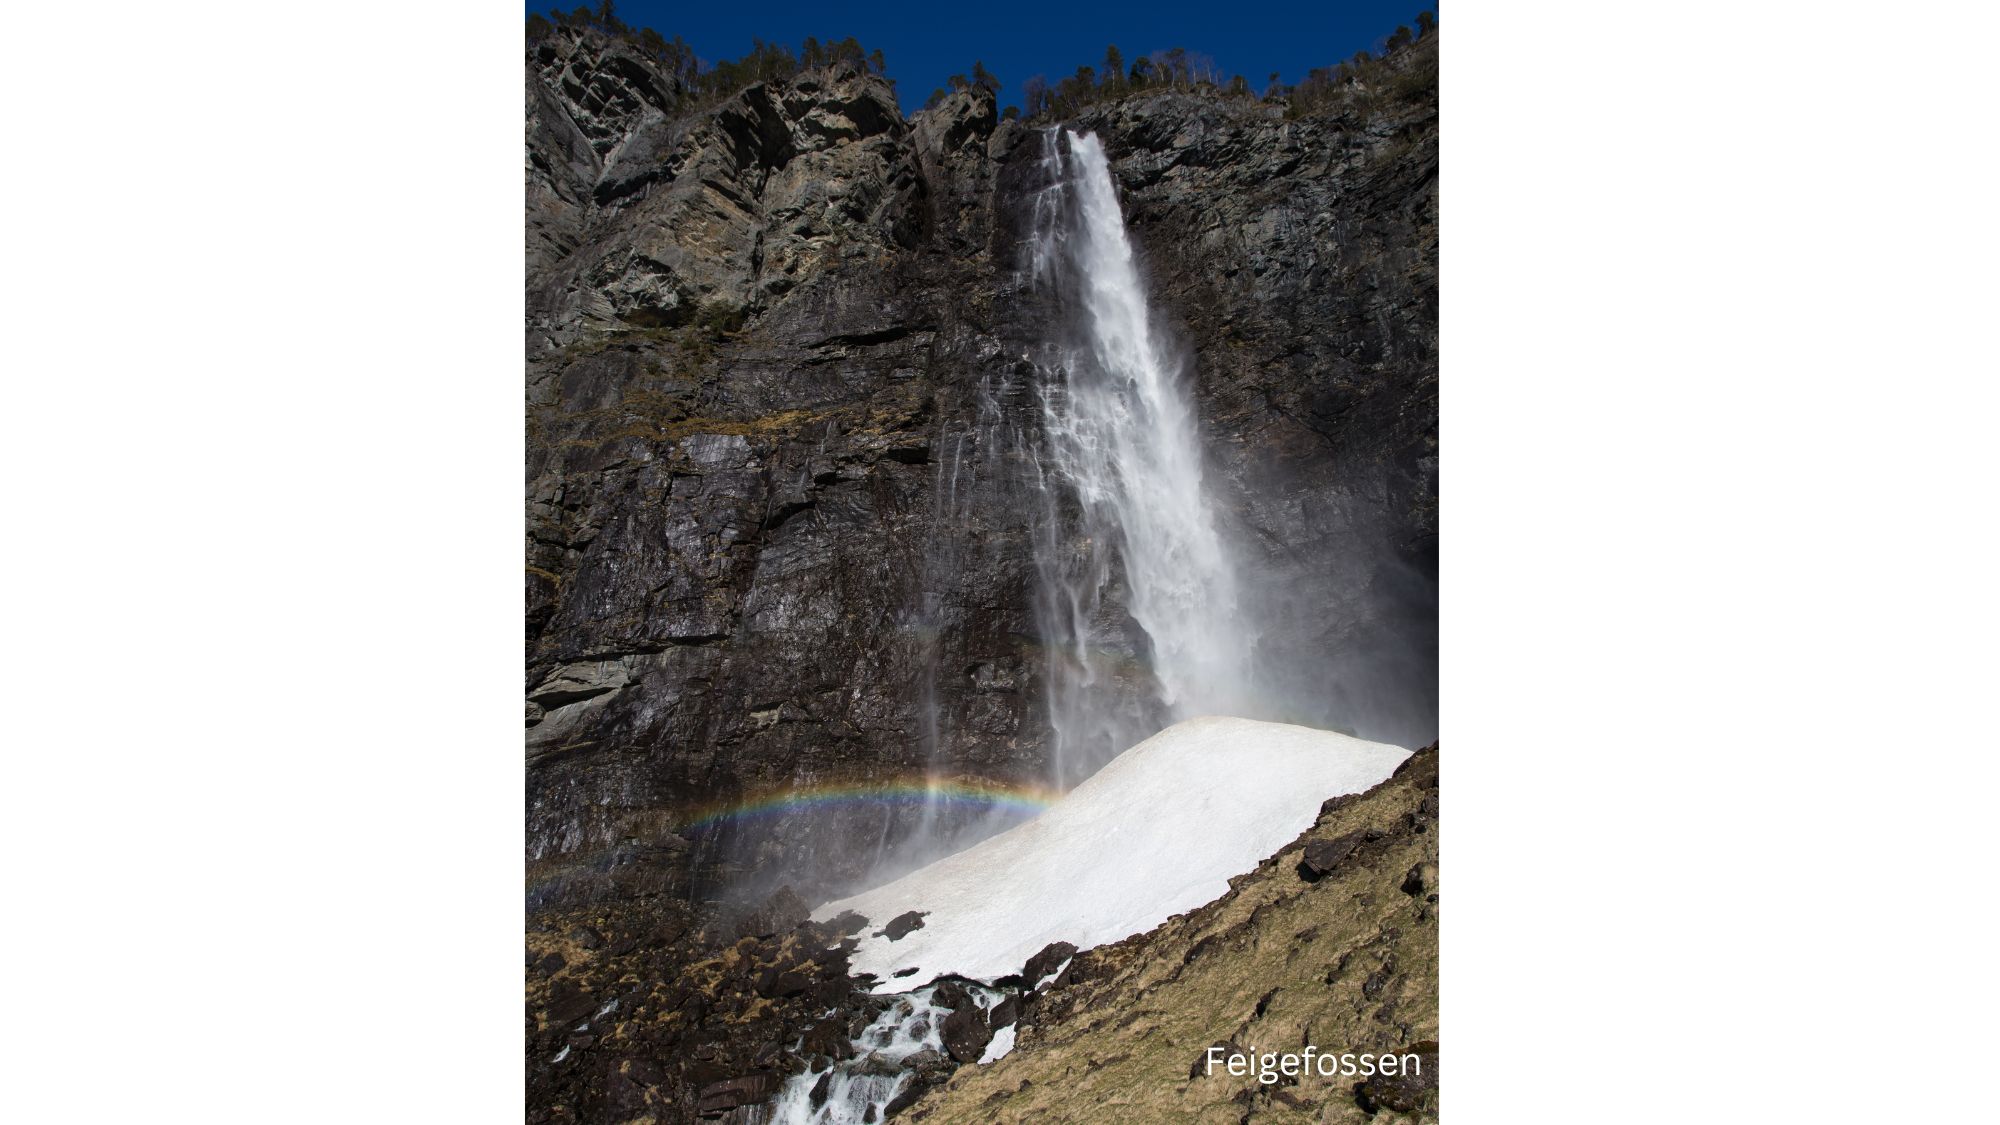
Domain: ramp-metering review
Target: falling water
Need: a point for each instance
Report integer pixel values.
(858, 1090)
(1123, 438)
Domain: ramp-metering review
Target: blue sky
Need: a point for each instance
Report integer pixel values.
(926, 42)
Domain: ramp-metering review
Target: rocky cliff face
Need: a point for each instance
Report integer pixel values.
(772, 537)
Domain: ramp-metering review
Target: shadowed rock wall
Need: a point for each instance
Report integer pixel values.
(781, 434)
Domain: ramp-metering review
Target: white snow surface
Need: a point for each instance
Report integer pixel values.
(999, 1046)
(1159, 831)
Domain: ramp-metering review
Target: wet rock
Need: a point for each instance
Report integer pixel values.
(951, 993)
(966, 1034)
(829, 1039)
(988, 677)
(904, 1099)
(1005, 1012)
(879, 1065)
(821, 1089)
(902, 925)
(718, 1097)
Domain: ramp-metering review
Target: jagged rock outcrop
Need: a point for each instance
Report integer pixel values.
(767, 541)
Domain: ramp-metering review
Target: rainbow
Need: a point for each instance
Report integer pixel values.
(978, 796)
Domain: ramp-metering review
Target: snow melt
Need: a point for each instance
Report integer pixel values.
(1157, 832)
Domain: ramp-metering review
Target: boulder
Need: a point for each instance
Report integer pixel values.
(1004, 1013)
(776, 983)
(966, 1034)
(1401, 1092)
(1322, 856)
(902, 925)
(717, 1098)
(1047, 961)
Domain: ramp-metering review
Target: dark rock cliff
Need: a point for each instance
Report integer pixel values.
(768, 541)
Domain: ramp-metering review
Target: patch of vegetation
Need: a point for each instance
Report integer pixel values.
(721, 318)
(719, 81)
(1396, 69)
(1403, 67)
(1406, 72)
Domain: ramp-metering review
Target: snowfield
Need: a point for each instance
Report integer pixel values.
(1157, 832)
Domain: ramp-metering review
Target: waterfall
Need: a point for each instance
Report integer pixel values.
(1124, 443)
(907, 1034)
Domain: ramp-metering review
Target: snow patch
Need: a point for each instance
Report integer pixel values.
(997, 1047)
(1158, 831)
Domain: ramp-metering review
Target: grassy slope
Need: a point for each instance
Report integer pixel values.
(1348, 963)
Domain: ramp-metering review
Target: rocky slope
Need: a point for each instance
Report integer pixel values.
(634, 1014)
(769, 540)
(1331, 942)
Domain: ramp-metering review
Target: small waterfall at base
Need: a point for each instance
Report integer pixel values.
(1124, 440)
(908, 1035)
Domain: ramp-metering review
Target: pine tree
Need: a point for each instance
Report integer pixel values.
(1114, 67)
(1035, 95)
